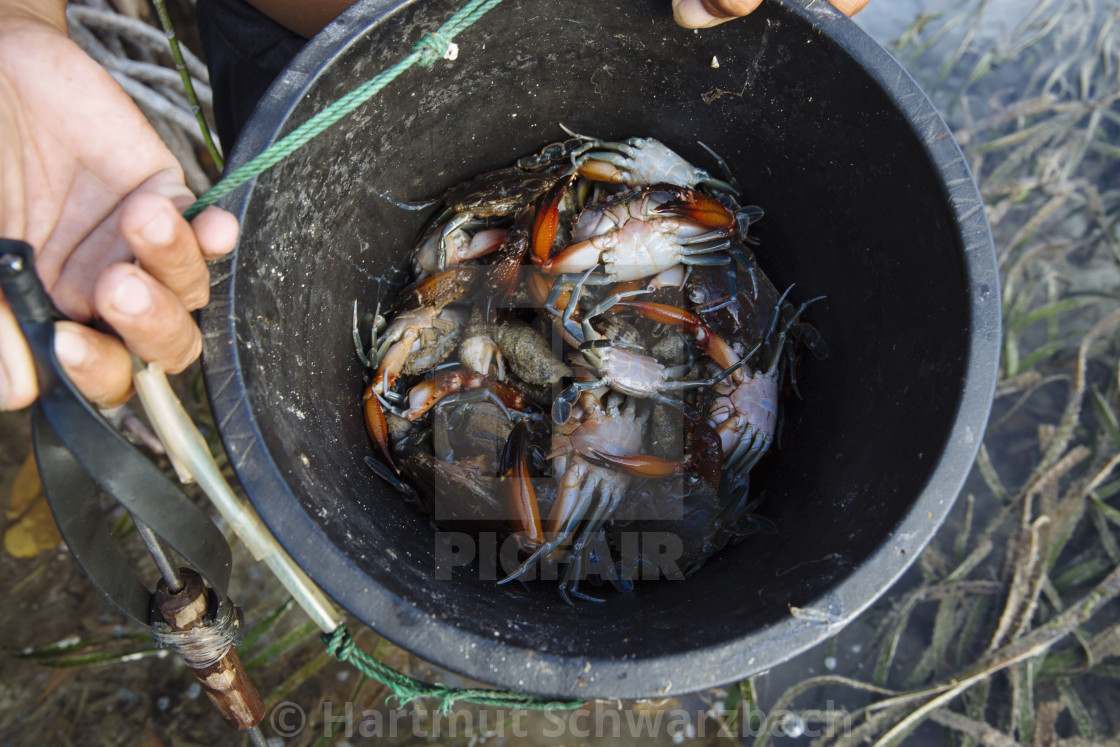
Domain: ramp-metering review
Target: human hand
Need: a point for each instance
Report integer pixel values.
(90, 185)
(702, 14)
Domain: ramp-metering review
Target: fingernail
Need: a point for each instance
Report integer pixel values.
(159, 230)
(132, 297)
(71, 348)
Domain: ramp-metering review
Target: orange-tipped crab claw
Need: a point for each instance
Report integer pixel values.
(427, 393)
(702, 455)
(521, 499)
(505, 271)
(375, 424)
(440, 289)
(698, 206)
(712, 344)
(548, 219)
(642, 465)
(602, 171)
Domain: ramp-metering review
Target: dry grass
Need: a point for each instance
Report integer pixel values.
(1007, 637)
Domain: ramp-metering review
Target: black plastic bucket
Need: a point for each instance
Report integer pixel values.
(868, 201)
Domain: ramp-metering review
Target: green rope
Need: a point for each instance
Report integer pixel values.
(431, 47)
(406, 689)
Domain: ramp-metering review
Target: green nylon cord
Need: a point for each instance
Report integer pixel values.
(430, 48)
(340, 644)
(406, 689)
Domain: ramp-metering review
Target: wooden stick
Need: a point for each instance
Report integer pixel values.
(226, 683)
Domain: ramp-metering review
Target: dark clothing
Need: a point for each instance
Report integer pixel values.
(245, 51)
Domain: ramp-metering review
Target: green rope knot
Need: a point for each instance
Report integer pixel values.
(433, 47)
(340, 644)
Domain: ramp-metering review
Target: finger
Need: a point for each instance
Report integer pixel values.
(849, 7)
(118, 238)
(217, 231)
(165, 246)
(150, 319)
(96, 363)
(702, 14)
(18, 387)
(172, 250)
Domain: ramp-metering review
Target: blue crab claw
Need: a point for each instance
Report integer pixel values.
(746, 216)
(388, 476)
(562, 407)
(376, 426)
(812, 339)
(749, 524)
(617, 580)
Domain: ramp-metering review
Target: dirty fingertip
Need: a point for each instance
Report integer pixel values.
(217, 232)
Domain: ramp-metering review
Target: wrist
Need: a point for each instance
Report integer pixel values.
(49, 12)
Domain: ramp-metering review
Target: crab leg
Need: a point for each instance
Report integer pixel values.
(573, 301)
(611, 495)
(557, 293)
(365, 359)
(569, 584)
(752, 447)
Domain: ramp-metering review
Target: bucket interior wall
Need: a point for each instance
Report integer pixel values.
(855, 212)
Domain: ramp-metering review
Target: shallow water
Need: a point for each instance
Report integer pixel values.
(1013, 442)
(885, 20)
